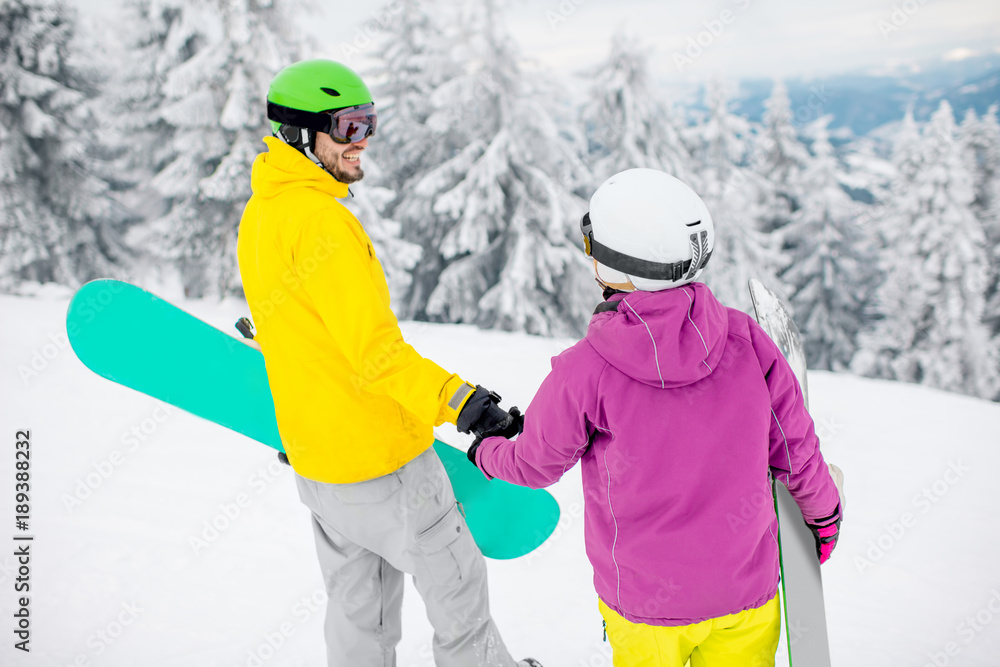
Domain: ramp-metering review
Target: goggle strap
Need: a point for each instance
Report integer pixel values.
(318, 122)
(634, 266)
(642, 268)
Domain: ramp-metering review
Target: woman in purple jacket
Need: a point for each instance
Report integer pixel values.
(680, 410)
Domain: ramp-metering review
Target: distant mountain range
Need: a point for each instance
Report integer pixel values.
(863, 101)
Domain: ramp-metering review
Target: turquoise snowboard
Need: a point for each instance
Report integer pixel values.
(134, 338)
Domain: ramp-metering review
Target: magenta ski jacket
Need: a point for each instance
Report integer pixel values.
(679, 409)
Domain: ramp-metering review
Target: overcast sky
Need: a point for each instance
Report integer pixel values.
(737, 38)
(697, 40)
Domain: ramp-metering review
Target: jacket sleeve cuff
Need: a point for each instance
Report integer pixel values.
(479, 459)
(455, 394)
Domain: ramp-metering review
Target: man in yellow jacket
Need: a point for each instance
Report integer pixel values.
(355, 403)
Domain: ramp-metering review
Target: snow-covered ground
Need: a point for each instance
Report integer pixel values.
(162, 539)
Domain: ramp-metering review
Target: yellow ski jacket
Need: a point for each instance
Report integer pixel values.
(353, 400)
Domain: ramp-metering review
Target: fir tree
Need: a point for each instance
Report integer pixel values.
(160, 36)
(212, 64)
(933, 298)
(781, 158)
(58, 222)
(625, 124)
(831, 266)
(735, 196)
(495, 213)
(908, 154)
(980, 139)
(415, 58)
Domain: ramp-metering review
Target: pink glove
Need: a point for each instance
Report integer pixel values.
(826, 531)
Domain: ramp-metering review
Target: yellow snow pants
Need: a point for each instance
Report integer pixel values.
(748, 639)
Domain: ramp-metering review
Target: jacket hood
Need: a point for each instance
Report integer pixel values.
(665, 339)
(282, 168)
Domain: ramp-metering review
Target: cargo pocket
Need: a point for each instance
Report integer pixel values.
(444, 560)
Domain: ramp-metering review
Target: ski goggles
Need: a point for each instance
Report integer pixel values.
(587, 229)
(353, 124)
(345, 126)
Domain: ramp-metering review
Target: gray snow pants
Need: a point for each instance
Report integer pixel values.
(368, 534)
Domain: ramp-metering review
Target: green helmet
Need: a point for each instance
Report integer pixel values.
(302, 91)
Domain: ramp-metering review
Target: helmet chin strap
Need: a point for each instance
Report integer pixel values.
(307, 151)
(303, 140)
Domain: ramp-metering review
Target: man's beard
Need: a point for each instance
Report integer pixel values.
(342, 175)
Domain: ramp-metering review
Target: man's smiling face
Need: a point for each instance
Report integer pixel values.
(343, 161)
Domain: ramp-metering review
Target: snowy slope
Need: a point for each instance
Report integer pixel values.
(123, 489)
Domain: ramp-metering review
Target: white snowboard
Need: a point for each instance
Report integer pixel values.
(801, 581)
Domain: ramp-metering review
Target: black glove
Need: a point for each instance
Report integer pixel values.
(482, 413)
(509, 430)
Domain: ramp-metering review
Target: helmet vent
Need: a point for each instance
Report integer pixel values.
(331, 92)
(693, 224)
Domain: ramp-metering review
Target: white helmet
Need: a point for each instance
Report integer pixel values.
(649, 229)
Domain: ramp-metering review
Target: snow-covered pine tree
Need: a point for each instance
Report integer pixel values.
(735, 195)
(158, 36)
(212, 64)
(414, 57)
(907, 155)
(980, 137)
(891, 182)
(625, 124)
(496, 215)
(832, 260)
(933, 299)
(780, 158)
(887, 335)
(58, 222)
